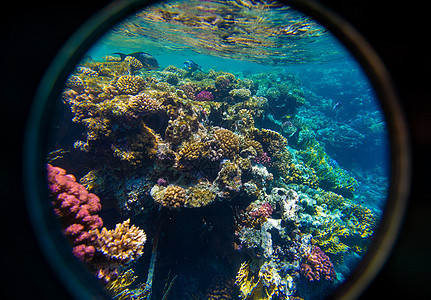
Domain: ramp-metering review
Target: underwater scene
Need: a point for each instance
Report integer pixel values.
(218, 150)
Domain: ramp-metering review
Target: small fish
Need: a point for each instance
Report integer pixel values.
(337, 105)
(191, 66)
(147, 60)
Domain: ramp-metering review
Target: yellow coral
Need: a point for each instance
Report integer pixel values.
(129, 84)
(229, 142)
(362, 219)
(267, 286)
(328, 237)
(174, 197)
(122, 244)
(190, 151)
(200, 195)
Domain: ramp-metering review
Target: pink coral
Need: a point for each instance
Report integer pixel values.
(317, 264)
(76, 208)
(204, 96)
(265, 210)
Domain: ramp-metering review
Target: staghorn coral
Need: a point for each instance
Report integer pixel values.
(229, 142)
(76, 209)
(360, 219)
(256, 146)
(123, 244)
(317, 265)
(129, 84)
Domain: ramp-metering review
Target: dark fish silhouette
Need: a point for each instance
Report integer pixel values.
(191, 66)
(147, 60)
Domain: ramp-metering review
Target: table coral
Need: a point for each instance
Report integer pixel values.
(123, 244)
(76, 208)
(317, 265)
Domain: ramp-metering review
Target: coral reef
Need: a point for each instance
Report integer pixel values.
(242, 162)
(76, 208)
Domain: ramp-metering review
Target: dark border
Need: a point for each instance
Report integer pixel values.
(74, 275)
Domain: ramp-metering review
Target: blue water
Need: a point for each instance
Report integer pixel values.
(337, 129)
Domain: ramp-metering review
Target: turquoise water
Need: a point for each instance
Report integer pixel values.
(262, 176)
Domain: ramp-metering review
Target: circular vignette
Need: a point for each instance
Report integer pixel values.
(74, 276)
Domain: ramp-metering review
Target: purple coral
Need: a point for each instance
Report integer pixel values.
(263, 159)
(162, 182)
(204, 96)
(317, 264)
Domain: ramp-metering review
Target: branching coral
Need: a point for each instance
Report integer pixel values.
(265, 286)
(76, 208)
(122, 245)
(328, 237)
(361, 219)
(317, 265)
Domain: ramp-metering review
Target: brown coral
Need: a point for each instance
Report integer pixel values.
(200, 195)
(190, 151)
(174, 197)
(229, 142)
(129, 84)
(122, 244)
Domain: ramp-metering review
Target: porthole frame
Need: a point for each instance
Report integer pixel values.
(78, 281)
